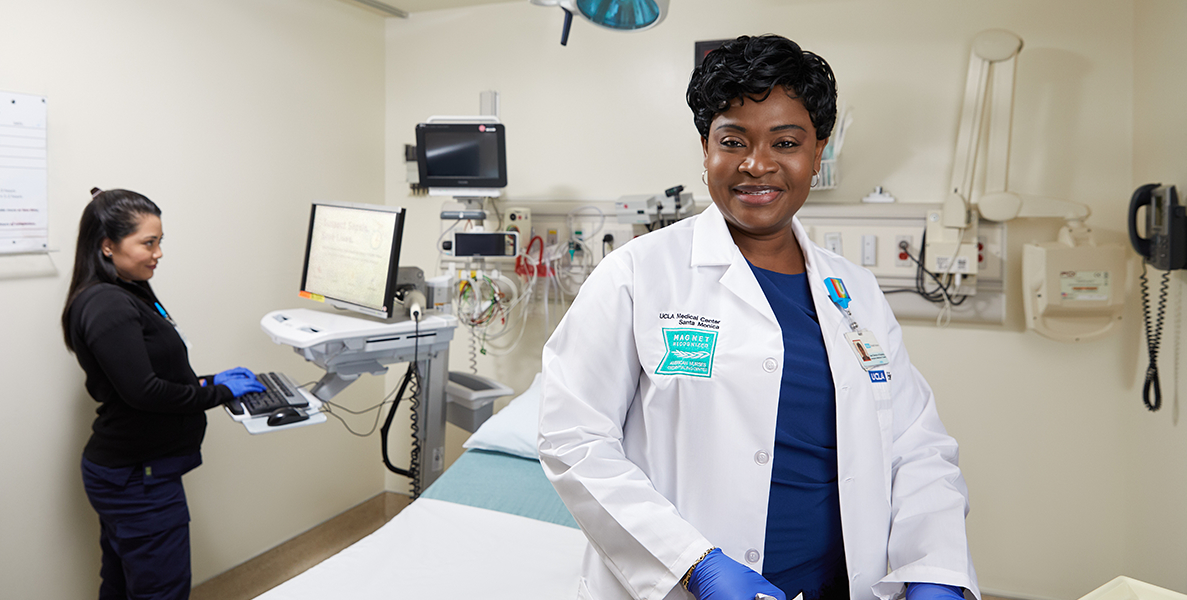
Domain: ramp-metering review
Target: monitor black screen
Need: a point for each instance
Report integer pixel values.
(352, 256)
(461, 155)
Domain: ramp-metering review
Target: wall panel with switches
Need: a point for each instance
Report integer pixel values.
(887, 239)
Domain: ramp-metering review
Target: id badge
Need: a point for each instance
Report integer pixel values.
(865, 346)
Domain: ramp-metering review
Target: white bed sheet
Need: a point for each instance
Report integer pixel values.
(437, 549)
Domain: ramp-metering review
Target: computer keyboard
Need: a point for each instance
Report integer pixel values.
(281, 391)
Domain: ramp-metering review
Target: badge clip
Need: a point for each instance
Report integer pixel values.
(840, 297)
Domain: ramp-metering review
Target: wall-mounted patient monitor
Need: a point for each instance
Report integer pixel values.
(352, 256)
(462, 159)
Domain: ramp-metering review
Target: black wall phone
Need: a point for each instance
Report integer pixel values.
(1164, 249)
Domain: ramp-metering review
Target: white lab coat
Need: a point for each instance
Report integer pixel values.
(659, 460)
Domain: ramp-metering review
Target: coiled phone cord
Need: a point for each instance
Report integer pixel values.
(1153, 338)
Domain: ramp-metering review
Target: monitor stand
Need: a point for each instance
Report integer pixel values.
(347, 346)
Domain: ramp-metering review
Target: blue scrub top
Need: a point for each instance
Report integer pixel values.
(804, 549)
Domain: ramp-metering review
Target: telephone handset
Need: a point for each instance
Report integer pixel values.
(1164, 249)
(1166, 224)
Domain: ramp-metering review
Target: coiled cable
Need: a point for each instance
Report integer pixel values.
(414, 454)
(1153, 339)
(411, 377)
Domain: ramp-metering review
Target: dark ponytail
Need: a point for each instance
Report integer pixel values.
(111, 215)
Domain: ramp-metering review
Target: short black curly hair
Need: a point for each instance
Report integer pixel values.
(750, 67)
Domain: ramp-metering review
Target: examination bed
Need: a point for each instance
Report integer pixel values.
(490, 527)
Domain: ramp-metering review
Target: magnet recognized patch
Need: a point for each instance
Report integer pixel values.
(690, 352)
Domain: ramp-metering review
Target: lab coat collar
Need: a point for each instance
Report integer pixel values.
(818, 268)
(712, 245)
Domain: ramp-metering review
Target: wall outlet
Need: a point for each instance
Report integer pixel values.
(832, 243)
(902, 256)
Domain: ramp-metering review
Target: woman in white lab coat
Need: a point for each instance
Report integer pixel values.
(728, 410)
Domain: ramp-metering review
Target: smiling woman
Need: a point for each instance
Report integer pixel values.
(765, 110)
(135, 257)
(150, 419)
(716, 423)
(760, 157)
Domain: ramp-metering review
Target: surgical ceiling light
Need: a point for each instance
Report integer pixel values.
(619, 15)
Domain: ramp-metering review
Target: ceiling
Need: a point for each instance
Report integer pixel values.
(421, 5)
(415, 6)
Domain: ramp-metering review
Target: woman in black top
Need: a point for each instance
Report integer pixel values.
(151, 415)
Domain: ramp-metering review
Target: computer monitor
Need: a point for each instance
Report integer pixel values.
(462, 159)
(352, 256)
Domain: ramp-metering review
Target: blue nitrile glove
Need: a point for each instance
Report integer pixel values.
(933, 591)
(242, 385)
(719, 577)
(236, 373)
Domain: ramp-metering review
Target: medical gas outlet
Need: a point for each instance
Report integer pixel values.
(519, 220)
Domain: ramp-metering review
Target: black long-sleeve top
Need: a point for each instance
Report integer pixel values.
(151, 403)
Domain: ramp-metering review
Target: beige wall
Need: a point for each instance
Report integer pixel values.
(1156, 445)
(1060, 456)
(232, 115)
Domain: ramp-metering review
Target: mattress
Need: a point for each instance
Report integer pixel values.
(472, 534)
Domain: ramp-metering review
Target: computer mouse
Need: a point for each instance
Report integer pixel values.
(286, 415)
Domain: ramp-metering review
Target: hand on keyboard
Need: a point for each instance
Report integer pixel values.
(243, 385)
(276, 392)
(236, 373)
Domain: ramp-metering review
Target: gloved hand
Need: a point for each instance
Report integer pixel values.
(719, 577)
(236, 373)
(242, 385)
(933, 591)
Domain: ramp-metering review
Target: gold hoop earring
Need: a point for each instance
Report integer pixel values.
(705, 176)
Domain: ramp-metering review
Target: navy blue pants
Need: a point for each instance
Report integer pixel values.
(144, 528)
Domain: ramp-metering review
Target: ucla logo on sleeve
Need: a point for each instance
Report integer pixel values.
(690, 352)
(878, 376)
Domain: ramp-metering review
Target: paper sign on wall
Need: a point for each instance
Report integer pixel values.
(24, 174)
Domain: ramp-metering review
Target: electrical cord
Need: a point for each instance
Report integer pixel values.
(1153, 338)
(473, 354)
(588, 234)
(940, 294)
(414, 417)
(414, 454)
(333, 407)
(488, 305)
(440, 248)
(410, 377)
(388, 423)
